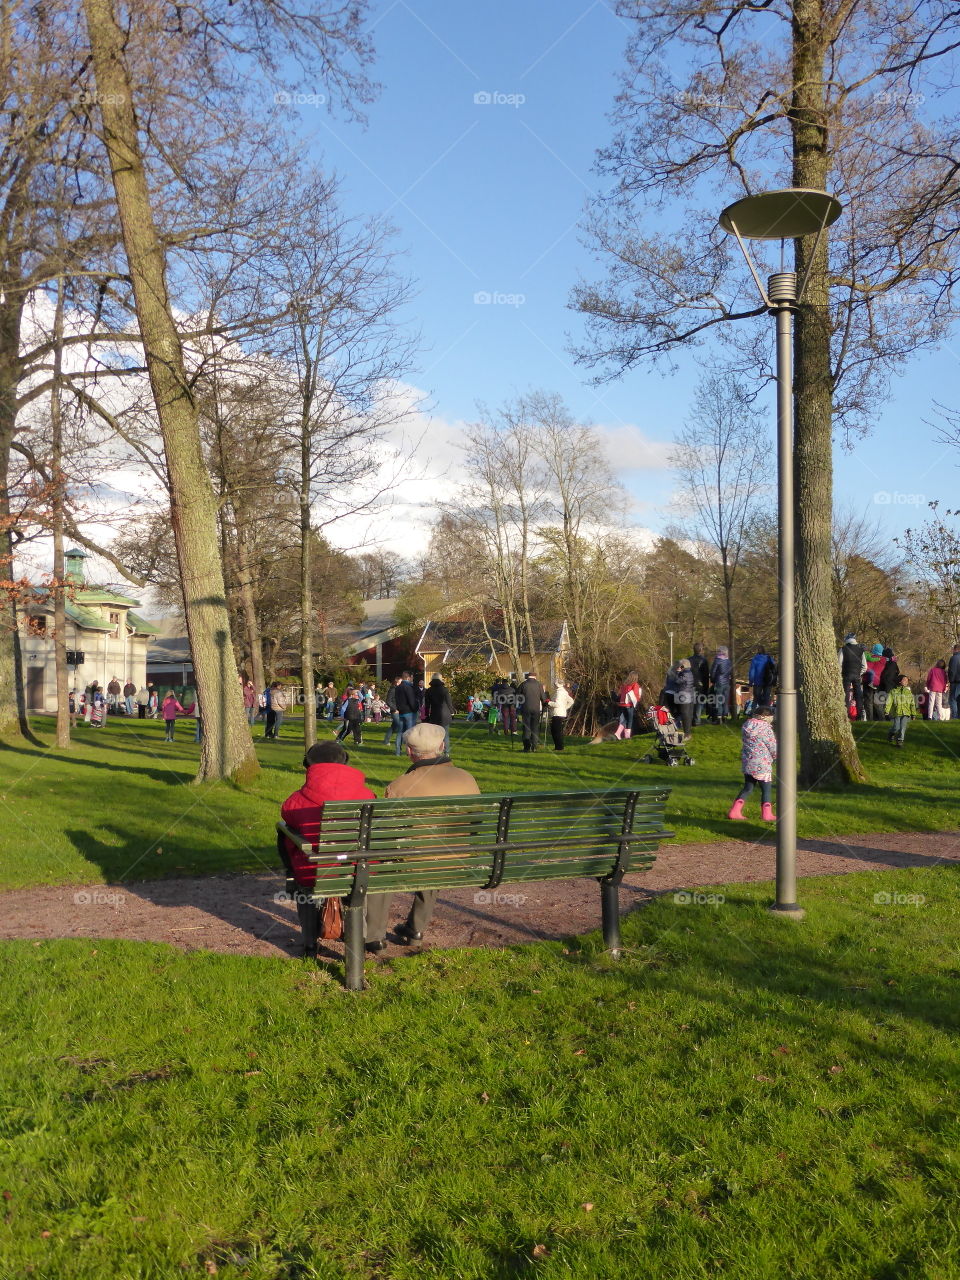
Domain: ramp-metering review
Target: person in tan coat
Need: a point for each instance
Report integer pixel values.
(430, 774)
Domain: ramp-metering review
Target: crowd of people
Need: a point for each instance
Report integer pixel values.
(510, 705)
(93, 706)
(876, 689)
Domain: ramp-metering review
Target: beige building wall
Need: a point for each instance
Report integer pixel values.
(105, 655)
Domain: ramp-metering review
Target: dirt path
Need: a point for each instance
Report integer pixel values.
(240, 913)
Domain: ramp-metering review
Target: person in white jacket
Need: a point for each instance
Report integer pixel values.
(559, 706)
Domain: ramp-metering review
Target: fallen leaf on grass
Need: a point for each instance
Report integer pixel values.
(8, 1195)
(587, 1207)
(253, 1073)
(45, 1235)
(540, 1251)
(578, 1052)
(484, 1097)
(210, 1267)
(782, 1048)
(835, 1070)
(764, 1079)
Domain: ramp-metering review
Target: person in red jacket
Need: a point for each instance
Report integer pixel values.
(329, 777)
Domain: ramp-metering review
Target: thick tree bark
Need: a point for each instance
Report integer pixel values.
(13, 713)
(828, 753)
(227, 745)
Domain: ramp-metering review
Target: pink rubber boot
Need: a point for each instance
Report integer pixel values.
(620, 731)
(736, 812)
(766, 813)
(626, 734)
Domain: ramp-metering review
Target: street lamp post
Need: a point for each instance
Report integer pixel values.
(784, 215)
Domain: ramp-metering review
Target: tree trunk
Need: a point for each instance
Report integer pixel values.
(248, 608)
(306, 598)
(13, 711)
(828, 753)
(227, 743)
(731, 654)
(58, 497)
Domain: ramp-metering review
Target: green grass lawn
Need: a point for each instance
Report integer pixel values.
(741, 1096)
(117, 805)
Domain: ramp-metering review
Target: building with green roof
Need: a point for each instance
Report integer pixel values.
(105, 637)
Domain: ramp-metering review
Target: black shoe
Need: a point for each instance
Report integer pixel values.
(406, 934)
(376, 947)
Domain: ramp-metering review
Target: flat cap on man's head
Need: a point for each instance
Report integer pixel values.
(425, 739)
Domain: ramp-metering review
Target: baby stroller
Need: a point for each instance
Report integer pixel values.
(669, 737)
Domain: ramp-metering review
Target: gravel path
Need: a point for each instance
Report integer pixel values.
(240, 913)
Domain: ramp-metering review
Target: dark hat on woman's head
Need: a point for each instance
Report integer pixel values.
(325, 753)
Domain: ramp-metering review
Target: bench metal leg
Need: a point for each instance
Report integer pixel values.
(353, 943)
(308, 914)
(610, 906)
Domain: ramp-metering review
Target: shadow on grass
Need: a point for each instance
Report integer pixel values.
(167, 776)
(837, 971)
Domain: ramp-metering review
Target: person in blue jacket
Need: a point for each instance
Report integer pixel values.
(762, 676)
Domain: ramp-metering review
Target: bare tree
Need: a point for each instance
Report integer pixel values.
(504, 500)
(342, 354)
(933, 554)
(722, 460)
(718, 101)
(581, 489)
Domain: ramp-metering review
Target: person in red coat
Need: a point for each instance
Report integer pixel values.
(329, 777)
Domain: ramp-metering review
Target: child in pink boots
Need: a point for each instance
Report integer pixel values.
(756, 760)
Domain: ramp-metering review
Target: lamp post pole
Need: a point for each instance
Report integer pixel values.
(782, 292)
(783, 215)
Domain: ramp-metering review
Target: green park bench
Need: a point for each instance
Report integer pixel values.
(482, 842)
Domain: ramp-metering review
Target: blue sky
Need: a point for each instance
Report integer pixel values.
(487, 196)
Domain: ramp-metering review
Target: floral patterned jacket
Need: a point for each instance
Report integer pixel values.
(759, 749)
